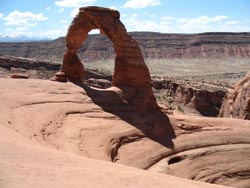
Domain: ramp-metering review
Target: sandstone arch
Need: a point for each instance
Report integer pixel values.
(131, 74)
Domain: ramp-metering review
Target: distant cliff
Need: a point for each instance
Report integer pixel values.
(153, 46)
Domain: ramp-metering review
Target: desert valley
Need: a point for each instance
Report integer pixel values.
(172, 111)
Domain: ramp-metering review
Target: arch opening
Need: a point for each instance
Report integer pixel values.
(97, 53)
(131, 74)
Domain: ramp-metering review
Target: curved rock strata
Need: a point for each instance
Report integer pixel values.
(63, 117)
(131, 74)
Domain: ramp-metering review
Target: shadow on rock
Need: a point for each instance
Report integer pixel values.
(153, 123)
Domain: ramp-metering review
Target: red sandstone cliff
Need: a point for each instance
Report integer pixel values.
(190, 97)
(237, 101)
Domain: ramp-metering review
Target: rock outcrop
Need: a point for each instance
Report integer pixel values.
(131, 74)
(18, 67)
(191, 97)
(237, 101)
(27, 64)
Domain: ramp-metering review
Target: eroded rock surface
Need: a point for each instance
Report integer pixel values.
(237, 101)
(190, 97)
(131, 74)
(48, 124)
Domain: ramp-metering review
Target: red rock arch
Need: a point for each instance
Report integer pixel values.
(131, 73)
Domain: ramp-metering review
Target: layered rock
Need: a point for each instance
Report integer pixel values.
(153, 46)
(191, 97)
(237, 101)
(131, 74)
(27, 64)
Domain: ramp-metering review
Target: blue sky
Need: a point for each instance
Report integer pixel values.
(51, 18)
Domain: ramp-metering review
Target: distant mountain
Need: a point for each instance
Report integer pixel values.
(153, 46)
(21, 38)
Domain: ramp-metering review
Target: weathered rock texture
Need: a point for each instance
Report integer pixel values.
(51, 132)
(17, 67)
(237, 101)
(26, 63)
(191, 97)
(153, 46)
(131, 74)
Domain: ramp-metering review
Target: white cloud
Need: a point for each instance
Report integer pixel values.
(74, 3)
(21, 28)
(141, 3)
(233, 28)
(134, 24)
(24, 31)
(201, 20)
(2, 35)
(94, 31)
(113, 7)
(134, 15)
(186, 25)
(18, 31)
(232, 22)
(51, 33)
(200, 24)
(168, 18)
(61, 10)
(63, 21)
(1, 15)
(74, 12)
(124, 15)
(47, 8)
(18, 18)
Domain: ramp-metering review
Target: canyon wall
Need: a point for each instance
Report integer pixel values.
(152, 45)
(236, 103)
(190, 98)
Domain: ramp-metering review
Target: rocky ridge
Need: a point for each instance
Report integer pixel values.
(152, 45)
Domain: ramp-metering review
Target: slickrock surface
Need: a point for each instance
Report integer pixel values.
(237, 101)
(51, 134)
